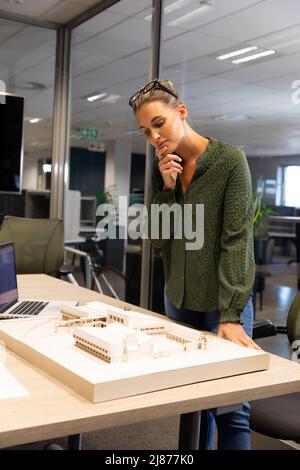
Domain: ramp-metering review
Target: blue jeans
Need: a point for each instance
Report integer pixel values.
(233, 427)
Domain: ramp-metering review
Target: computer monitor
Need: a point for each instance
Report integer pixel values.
(11, 142)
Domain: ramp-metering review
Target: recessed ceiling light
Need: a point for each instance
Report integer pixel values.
(205, 6)
(172, 7)
(221, 117)
(238, 118)
(253, 57)
(232, 117)
(176, 5)
(33, 120)
(14, 2)
(237, 52)
(40, 144)
(96, 97)
(112, 99)
(31, 86)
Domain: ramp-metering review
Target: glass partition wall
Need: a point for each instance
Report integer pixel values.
(110, 61)
(240, 79)
(27, 58)
(238, 76)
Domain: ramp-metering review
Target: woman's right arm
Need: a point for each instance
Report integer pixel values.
(162, 199)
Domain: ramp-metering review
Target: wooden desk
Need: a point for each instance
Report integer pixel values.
(52, 409)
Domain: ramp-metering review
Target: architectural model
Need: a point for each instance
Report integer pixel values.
(127, 335)
(105, 352)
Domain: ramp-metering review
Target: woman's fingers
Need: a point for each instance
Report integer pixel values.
(235, 332)
(169, 164)
(162, 154)
(247, 342)
(169, 167)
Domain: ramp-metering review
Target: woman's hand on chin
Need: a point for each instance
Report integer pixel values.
(169, 167)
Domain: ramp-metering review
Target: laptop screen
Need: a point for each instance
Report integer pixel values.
(8, 278)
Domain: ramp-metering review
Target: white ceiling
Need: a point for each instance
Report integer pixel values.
(111, 54)
(58, 11)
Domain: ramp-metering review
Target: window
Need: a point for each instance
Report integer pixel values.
(291, 193)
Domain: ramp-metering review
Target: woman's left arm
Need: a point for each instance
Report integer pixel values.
(236, 264)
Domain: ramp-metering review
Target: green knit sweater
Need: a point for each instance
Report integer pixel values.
(220, 275)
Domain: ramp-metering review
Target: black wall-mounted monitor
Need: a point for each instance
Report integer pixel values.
(11, 142)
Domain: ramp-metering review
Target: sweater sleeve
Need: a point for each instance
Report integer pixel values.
(163, 199)
(236, 264)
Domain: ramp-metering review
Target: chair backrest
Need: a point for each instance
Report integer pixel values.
(293, 320)
(38, 243)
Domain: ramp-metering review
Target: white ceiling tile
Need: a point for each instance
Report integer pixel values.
(179, 76)
(29, 7)
(283, 82)
(286, 40)
(218, 109)
(211, 85)
(82, 61)
(25, 43)
(8, 28)
(142, 56)
(64, 12)
(118, 41)
(208, 66)
(257, 20)
(44, 71)
(248, 93)
(190, 45)
(130, 7)
(122, 70)
(127, 33)
(36, 59)
(127, 88)
(221, 8)
(95, 25)
(40, 104)
(266, 69)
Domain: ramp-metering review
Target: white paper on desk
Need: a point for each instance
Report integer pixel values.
(9, 386)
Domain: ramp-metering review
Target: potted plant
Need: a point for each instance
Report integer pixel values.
(107, 197)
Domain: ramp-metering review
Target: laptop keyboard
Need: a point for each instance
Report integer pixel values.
(28, 307)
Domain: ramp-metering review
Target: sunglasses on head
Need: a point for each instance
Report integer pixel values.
(150, 86)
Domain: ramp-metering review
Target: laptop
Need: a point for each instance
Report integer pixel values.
(10, 304)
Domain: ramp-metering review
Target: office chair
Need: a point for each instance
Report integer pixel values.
(279, 417)
(38, 245)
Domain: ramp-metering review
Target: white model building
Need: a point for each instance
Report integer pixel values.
(91, 309)
(82, 311)
(117, 335)
(129, 336)
(114, 343)
(137, 321)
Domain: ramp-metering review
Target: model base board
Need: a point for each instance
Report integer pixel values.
(156, 366)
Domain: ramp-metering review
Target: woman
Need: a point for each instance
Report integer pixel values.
(209, 288)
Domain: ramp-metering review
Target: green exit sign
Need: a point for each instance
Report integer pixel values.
(91, 133)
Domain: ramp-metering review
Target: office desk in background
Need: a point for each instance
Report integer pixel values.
(52, 409)
(296, 220)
